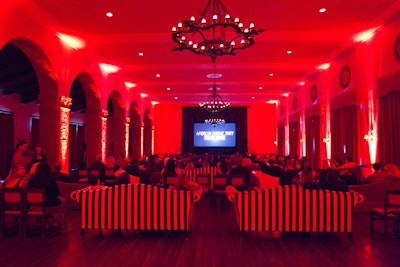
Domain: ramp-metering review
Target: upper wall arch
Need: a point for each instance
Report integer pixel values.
(45, 72)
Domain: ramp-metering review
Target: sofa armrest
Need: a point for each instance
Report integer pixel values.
(230, 192)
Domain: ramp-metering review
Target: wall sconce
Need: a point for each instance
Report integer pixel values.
(327, 139)
(276, 143)
(369, 137)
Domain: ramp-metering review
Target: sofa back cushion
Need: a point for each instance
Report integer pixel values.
(294, 208)
(135, 206)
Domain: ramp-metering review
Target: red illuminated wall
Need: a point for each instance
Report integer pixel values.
(261, 130)
(167, 128)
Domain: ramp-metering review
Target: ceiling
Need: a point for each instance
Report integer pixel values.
(145, 26)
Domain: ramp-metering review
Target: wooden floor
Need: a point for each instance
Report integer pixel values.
(213, 241)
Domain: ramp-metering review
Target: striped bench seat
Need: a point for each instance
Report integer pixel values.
(292, 208)
(135, 207)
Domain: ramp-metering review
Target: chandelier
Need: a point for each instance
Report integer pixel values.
(215, 34)
(214, 102)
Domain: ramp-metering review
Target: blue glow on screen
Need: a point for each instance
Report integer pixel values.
(221, 135)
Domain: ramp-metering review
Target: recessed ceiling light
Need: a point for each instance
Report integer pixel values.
(302, 83)
(289, 52)
(176, 98)
(260, 87)
(168, 88)
(271, 74)
(324, 66)
(158, 75)
(322, 10)
(141, 54)
(214, 75)
(253, 97)
(109, 14)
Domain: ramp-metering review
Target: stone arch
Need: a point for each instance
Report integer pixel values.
(147, 132)
(115, 125)
(134, 131)
(38, 77)
(85, 120)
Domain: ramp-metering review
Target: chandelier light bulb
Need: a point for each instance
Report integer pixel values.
(213, 33)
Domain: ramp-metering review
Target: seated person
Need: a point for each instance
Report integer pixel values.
(378, 175)
(41, 178)
(238, 169)
(98, 165)
(290, 177)
(60, 176)
(184, 183)
(307, 177)
(334, 182)
(123, 178)
(392, 170)
(349, 171)
(17, 177)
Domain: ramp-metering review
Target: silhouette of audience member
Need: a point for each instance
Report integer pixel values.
(38, 155)
(290, 177)
(184, 183)
(60, 176)
(97, 165)
(378, 175)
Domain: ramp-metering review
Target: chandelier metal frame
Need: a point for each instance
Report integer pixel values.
(214, 102)
(215, 34)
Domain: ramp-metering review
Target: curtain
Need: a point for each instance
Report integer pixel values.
(76, 146)
(281, 140)
(6, 142)
(35, 132)
(147, 134)
(195, 114)
(313, 141)
(389, 128)
(294, 138)
(344, 133)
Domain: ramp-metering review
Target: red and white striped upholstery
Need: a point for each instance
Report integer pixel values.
(136, 207)
(294, 209)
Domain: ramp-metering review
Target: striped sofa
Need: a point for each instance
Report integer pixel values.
(293, 208)
(135, 207)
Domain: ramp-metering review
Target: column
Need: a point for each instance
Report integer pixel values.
(127, 121)
(104, 115)
(65, 112)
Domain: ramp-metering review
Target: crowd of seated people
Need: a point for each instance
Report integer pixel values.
(154, 169)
